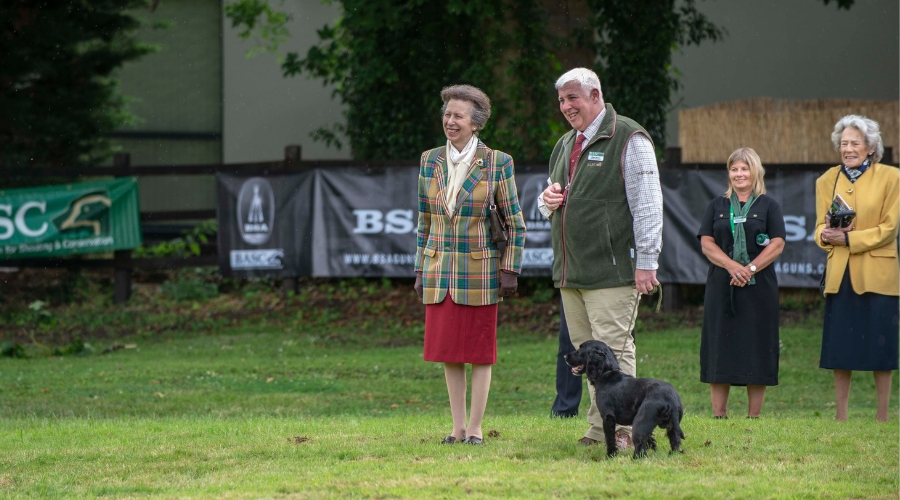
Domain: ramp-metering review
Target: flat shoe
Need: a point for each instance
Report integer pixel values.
(473, 440)
(448, 440)
(721, 417)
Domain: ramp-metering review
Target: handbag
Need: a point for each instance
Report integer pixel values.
(499, 231)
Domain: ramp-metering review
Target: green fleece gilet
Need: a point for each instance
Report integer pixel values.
(593, 235)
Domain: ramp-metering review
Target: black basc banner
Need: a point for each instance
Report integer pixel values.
(264, 224)
(364, 224)
(347, 222)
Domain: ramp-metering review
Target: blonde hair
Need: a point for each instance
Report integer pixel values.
(757, 172)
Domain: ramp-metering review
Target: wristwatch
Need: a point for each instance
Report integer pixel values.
(753, 268)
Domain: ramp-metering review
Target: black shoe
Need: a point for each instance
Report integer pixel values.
(721, 417)
(450, 439)
(473, 440)
(556, 414)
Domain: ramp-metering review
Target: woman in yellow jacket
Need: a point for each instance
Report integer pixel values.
(862, 281)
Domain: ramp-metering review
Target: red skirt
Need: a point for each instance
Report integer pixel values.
(460, 334)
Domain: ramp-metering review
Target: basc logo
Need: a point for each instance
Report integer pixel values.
(88, 214)
(256, 211)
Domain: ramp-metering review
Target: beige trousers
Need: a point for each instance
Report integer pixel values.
(607, 315)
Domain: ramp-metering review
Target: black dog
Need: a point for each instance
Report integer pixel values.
(643, 403)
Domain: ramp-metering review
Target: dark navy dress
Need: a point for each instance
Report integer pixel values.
(860, 331)
(739, 342)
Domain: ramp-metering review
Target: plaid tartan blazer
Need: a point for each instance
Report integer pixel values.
(455, 252)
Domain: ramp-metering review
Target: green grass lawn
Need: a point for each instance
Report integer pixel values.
(288, 414)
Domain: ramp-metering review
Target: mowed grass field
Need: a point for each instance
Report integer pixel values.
(259, 413)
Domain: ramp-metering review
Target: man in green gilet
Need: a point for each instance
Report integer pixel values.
(605, 206)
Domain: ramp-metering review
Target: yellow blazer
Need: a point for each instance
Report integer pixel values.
(872, 254)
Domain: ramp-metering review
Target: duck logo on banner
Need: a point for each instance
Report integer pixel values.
(88, 214)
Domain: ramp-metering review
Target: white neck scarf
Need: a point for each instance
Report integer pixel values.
(458, 163)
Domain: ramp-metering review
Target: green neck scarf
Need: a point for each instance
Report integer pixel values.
(738, 217)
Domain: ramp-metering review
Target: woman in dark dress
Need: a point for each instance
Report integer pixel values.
(862, 277)
(741, 234)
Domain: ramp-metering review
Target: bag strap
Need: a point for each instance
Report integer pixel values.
(836, 177)
(490, 181)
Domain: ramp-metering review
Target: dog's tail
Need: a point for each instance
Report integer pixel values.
(674, 415)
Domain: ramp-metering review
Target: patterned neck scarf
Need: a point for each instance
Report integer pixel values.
(738, 217)
(854, 173)
(458, 163)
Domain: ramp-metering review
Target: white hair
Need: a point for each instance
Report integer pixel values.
(867, 127)
(585, 77)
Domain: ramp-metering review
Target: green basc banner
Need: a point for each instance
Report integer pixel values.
(69, 219)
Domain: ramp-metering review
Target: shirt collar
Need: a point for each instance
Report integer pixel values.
(592, 129)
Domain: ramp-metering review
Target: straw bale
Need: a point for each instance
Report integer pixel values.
(780, 130)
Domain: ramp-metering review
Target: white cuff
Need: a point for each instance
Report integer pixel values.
(646, 262)
(542, 207)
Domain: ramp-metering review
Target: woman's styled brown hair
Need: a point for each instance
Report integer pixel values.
(481, 104)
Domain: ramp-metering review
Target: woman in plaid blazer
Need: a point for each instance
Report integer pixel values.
(460, 274)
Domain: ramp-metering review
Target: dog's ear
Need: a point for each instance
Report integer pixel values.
(610, 363)
(593, 364)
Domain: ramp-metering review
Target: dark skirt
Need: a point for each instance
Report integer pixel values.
(861, 331)
(739, 340)
(460, 334)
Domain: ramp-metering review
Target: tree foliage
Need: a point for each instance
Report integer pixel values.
(57, 98)
(388, 61)
(633, 42)
(259, 21)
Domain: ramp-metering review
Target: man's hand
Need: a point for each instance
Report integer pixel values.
(645, 280)
(553, 196)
